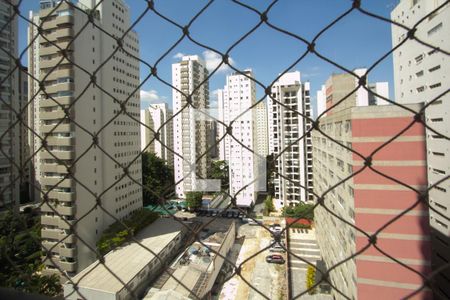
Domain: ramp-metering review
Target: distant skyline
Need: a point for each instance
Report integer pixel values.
(355, 41)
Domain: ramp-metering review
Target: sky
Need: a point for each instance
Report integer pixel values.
(356, 41)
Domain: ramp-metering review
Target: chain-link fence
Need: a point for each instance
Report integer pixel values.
(47, 37)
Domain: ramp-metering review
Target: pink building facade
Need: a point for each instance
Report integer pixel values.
(372, 202)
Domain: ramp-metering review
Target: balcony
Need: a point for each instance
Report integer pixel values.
(50, 233)
(48, 50)
(55, 74)
(68, 238)
(67, 252)
(65, 44)
(63, 155)
(48, 38)
(52, 115)
(60, 87)
(68, 266)
(65, 224)
(57, 182)
(66, 210)
(53, 168)
(57, 128)
(60, 141)
(64, 33)
(66, 100)
(48, 220)
(62, 196)
(48, 245)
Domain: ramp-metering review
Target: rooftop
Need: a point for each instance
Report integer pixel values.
(193, 265)
(127, 261)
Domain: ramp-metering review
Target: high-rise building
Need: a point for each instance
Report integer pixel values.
(147, 131)
(189, 126)
(289, 108)
(85, 139)
(211, 135)
(10, 94)
(378, 88)
(262, 137)
(235, 100)
(369, 201)
(157, 117)
(321, 101)
(421, 75)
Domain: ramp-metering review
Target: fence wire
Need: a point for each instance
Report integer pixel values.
(19, 120)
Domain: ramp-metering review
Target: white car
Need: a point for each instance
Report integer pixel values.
(276, 228)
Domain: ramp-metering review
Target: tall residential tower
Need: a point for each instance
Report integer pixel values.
(189, 126)
(157, 117)
(289, 108)
(238, 95)
(87, 140)
(421, 74)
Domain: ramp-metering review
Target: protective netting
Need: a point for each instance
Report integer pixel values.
(19, 118)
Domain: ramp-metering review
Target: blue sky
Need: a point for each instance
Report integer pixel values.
(356, 41)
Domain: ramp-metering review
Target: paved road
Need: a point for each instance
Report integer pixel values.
(267, 278)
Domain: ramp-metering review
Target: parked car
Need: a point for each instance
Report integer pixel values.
(277, 248)
(253, 222)
(275, 259)
(276, 228)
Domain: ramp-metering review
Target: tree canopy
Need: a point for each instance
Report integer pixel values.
(219, 170)
(194, 199)
(301, 210)
(157, 178)
(21, 253)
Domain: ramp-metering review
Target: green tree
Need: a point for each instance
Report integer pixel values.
(270, 174)
(157, 178)
(194, 200)
(20, 255)
(301, 210)
(268, 205)
(219, 170)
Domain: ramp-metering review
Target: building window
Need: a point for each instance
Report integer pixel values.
(435, 29)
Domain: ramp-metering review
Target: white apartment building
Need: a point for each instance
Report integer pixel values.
(156, 117)
(321, 101)
(262, 137)
(421, 75)
(147, 131)
(9, 92)
(235, 100)
(189, 126)
(287, 123)
(378, 88)
(73, 171)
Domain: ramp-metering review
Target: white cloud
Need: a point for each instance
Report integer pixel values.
(313, 72)
(151, 96)
(212, 60)
(179, 55)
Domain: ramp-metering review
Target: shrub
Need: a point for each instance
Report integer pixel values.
(268, 206)
(311, 279)
(194, 200)
(116, 234)
(301, 226)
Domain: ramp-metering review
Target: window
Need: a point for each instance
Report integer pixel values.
(436, 85)
(435, 29)
(434, 68)
(419, 74)
(419, 59)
